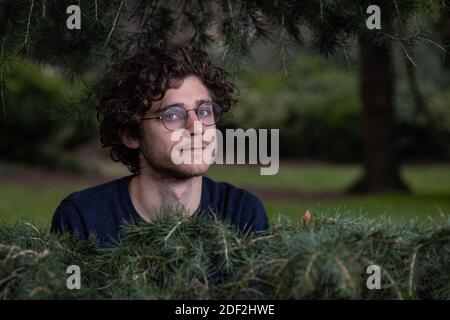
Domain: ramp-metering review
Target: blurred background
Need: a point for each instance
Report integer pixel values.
(49, 142)
(317, 109)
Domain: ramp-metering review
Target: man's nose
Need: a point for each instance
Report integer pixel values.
(193, 124)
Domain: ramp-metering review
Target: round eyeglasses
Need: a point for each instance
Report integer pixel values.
(175, 117)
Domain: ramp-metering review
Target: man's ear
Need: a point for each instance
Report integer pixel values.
(129, 140)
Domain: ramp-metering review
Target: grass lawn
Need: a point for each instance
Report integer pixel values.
(398, 206)
(298, 177)
(430, 186)
(35, 204)
(329, 177)
(430, 196)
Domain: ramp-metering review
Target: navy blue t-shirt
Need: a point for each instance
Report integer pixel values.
(102, 209)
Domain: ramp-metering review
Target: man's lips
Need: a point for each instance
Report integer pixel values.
(194, 150)
(188, 147)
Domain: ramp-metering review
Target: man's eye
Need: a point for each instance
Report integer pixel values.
(171, 116)
(203, 113)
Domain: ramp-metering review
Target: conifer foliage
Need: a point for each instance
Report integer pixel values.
(175, 257)
(37, 29)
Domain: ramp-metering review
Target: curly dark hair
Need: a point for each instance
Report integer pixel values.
(132, 85)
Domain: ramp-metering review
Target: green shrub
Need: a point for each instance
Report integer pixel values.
(35, 125)
(171, 258)
(317, 109)
(415, 133)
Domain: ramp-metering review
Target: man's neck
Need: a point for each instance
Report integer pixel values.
(151, 195)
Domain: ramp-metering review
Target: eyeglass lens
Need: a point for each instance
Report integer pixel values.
(175, 117)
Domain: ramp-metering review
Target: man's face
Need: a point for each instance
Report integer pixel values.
(156, 143)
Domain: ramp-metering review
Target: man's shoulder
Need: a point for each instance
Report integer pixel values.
(93, 210)
(221, 188)
(104, 190)
(230, 197)
(237, 205)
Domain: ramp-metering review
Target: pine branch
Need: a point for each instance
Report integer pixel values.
(166, 259)
(26, 42)
(114, 24)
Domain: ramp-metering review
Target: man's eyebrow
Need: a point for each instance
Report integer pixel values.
(169, 105)
(197, 103)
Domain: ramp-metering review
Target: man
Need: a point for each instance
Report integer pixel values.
(148, 98)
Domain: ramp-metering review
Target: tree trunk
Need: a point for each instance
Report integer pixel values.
(380, 158)
(444, 29)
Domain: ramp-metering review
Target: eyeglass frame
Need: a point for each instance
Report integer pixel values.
(185, 121)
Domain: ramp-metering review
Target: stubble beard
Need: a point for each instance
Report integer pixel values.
(165, 168)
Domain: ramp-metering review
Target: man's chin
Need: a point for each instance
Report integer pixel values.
(192, 170)
(168, 169)
(186, 171)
